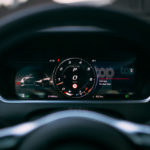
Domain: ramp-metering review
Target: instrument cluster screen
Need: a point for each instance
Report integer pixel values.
(76, 78)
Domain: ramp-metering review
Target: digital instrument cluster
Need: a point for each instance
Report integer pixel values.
(76, 78)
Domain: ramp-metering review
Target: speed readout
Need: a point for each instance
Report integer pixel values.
(75, 77)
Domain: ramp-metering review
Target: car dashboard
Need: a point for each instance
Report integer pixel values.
(76, 78)
(76, 66)
(72, 76)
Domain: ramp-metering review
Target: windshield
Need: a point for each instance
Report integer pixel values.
(140, 8)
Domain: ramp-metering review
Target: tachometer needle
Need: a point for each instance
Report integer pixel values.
(60, 83)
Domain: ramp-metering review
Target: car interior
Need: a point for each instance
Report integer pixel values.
(74, 76)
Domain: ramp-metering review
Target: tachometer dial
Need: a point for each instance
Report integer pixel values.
(75, 77)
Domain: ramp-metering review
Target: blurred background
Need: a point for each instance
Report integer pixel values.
(138, 7)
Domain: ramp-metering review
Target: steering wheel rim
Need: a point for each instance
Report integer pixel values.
(77, 126)
(21, 24)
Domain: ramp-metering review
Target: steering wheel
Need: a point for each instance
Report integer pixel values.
(74, 129)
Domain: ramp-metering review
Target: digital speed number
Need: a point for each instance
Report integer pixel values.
(109, 73)
(105, 72)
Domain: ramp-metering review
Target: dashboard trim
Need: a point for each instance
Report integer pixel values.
(147, 100)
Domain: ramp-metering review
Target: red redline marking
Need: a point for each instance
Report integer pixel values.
(89, 90)
(17, 83)
(86, 89)
(114, 79)
(60, 83)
